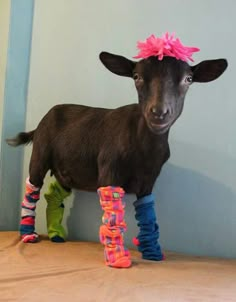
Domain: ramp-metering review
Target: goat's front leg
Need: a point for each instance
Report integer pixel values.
(28, 207)
(147, 239)
(114, 226)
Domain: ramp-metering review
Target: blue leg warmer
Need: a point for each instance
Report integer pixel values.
(147, 239)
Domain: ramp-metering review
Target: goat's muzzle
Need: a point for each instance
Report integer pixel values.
(159, 119)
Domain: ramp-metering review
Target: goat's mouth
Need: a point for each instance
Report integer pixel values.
(161, 128)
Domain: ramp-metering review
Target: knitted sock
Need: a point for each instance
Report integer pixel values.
(147, 239)
(114, 226)
(55, 210)
(28, 207)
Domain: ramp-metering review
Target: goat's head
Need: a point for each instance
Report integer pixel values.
(162, 85)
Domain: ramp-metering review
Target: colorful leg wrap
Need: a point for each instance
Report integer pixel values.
(55, 210)
(147, 239)
(28, 207)
(114, 226)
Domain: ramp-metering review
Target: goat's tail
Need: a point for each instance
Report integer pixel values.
(21, 138)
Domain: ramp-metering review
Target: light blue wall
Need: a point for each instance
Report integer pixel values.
(14, 109)
(196, 193)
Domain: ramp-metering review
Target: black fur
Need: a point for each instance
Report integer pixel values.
(21, 138)
(86, 147)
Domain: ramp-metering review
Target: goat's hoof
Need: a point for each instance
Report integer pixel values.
(154, 257)
(123, 262)
(57, 239)
(30, 238)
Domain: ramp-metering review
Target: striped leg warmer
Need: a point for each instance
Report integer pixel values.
(28, 206)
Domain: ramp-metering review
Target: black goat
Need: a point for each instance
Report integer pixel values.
(86, 148)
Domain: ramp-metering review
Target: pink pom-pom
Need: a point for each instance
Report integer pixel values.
(136, 241)
(167, 45)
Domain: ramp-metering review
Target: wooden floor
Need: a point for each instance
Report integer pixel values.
(74, 271)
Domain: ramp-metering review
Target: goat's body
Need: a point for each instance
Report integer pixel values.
(88, 147)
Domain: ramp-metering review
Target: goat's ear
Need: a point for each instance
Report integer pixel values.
(117, 64)
(209, 70)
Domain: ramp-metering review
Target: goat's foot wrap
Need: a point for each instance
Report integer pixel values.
(147, 239)
(114, 226)
(55, 210)
(28, 206)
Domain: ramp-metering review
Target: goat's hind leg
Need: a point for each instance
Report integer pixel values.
(55, 209)
(28, 207)
(32, 194)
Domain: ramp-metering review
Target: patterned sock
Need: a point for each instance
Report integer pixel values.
(55, 210)
(28, 207)
(147, 239)
(114, 226)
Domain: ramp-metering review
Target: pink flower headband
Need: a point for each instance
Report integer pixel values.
(167, 45)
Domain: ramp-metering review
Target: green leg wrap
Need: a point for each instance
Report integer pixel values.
(55, 210)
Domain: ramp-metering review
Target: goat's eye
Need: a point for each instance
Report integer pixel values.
(188, 79)
(137, 77)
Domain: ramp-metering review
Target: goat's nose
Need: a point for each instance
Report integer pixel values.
(160, 113)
